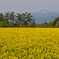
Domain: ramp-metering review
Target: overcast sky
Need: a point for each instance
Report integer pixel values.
(28, 5)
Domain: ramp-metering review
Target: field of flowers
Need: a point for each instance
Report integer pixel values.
(29, 43)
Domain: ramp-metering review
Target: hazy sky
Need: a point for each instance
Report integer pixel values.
(28, 5)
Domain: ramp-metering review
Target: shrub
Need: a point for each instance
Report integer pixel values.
(2, 24)
(10, 25)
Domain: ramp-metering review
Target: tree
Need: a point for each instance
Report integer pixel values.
(57, 25)
(1, 17)
(46, 23)
(7, 15)
(19, 17)
(56, 20)
(24, 16)
(51, 24)
(12, 16)
(29, 18)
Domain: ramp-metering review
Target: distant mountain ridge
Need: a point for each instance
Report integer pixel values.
(44, 16)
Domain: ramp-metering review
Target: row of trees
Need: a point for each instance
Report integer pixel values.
(24, 19)
(10, 19)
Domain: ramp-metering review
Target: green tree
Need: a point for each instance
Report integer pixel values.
(7, 16)
(12, 16)
(46, 23)
(51, 24)
(19, 18)
(57, 25)
(29, 18)
(24, 16)
(56, 20)
(1, 17)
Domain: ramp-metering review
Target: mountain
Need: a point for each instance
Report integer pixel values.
(44, 16)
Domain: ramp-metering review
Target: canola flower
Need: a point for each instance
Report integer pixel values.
(29, 43)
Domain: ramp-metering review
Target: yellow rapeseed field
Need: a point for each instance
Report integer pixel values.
(29, 43)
